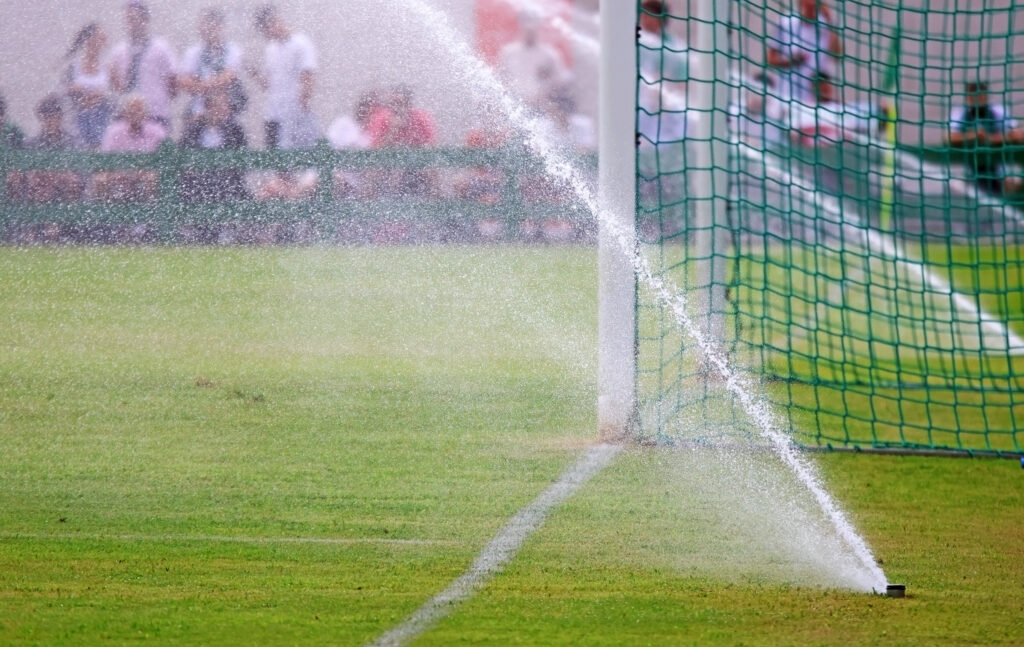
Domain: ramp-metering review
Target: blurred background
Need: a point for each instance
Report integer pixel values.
(361, 44)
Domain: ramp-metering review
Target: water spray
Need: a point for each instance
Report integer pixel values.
(671, 298)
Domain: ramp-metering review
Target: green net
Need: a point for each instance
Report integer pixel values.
(862, 262)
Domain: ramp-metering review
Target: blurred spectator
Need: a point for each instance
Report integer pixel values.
(565, 125)
(52, 134)
(664, 70)
(804, 50)
(350, 133)
(88, 84)
(664, 62)
(288, 78)
(484, 184)
(145, 65)
(212, 66)
(52, 186)
(397, 124)
(11, 136)
(831, 121)
(531, 67)
(562, 127)
(983, 123)
(133, 132)
(215, 129)
(565, 128)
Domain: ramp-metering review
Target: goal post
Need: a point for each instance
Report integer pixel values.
(616, 229)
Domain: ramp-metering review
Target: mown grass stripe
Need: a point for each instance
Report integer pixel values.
(220, 539)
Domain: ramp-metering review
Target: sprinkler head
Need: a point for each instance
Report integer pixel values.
(895, 590)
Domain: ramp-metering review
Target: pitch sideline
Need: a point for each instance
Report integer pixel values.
(502, 548)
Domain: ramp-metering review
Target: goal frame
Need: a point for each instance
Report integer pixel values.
(617, 340)
(617, 197)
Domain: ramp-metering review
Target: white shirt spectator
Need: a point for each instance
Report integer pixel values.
(346, 133)
(664, 71)
(90, 95)
(583, 132)
(795, 38)
(996, 120)
(285, 61)
(578, 134)
(533, 70)
(194, 64)
(98, 81)
(156, 69)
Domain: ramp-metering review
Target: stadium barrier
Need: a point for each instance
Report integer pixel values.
(969, 153)
(324, 211)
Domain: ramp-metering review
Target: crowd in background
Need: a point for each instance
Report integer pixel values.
(121, 98)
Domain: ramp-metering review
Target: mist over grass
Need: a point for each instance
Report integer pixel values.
(283, 446)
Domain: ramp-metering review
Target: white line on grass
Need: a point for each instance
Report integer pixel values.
(223, 539)
(500, 550)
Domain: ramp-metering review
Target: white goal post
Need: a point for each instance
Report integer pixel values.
(616, 397)
(707, 180)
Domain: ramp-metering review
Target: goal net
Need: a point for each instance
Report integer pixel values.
(836, 189)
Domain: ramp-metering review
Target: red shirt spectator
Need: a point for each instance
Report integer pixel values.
(483, 183)
(396, 124)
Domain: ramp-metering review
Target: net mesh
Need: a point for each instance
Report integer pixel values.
(865, 249)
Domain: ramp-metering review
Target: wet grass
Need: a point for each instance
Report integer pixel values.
(644, 556)
(301, 446)
(865, 354)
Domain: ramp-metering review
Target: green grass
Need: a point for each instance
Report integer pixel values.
(949, 529)
(870, 353)
(179, 424)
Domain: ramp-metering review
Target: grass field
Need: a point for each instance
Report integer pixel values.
(302, 446)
